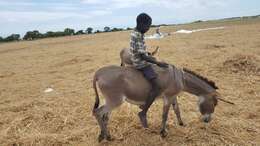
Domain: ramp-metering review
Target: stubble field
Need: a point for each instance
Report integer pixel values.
(30, 116)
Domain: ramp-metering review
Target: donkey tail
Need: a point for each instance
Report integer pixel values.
(96, 105)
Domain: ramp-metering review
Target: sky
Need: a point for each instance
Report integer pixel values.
(20, 16)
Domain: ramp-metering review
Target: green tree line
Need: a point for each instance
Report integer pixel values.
(35, 34)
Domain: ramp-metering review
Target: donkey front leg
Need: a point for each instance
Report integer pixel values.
(166, 108)
(176, 109)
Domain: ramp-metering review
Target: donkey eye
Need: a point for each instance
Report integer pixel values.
(215, 101)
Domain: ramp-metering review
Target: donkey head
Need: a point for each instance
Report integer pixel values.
(207, 104)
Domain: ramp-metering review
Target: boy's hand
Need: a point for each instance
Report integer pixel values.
(163, 64)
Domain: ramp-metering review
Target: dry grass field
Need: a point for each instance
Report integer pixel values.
(29, 116)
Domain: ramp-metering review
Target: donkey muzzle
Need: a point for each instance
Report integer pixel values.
(206, 118)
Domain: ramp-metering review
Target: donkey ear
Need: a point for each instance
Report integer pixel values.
(155, 51)
(218, 96)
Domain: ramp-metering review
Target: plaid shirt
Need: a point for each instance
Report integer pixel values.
(137, 47)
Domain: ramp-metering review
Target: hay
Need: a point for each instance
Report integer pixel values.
(247, 64)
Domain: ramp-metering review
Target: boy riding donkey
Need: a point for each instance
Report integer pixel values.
(142, 61)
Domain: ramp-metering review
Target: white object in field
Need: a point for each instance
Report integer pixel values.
(213, 28)
(155, 36)
(183, 31)
(197, 30)
(48, 90)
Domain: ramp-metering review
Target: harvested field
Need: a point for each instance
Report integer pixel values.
(243, 63)
(31, 116)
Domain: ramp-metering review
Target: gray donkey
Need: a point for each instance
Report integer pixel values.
(119, 84)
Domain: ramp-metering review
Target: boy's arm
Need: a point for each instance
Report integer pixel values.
(152, 60)
(139, 48)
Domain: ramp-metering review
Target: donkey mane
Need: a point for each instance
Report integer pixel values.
(211, 83)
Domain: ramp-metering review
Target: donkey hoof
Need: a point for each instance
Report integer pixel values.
(163, 133)
(108, 138)
(143, 119)
(181, 123)
(101, 137)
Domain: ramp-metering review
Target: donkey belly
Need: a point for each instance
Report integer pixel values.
(137, 88)
(134, 102)
(137, 100)
(135, 97)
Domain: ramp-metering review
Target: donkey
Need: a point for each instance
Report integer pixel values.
(125, 56)
(119, 84)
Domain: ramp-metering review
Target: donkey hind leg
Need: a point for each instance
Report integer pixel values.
(122, 63)
(101, 115)
(166, 108)
(176, 109)
(106, 119)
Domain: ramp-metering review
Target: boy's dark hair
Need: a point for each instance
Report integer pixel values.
(143, 21)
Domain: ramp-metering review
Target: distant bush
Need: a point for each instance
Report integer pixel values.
(253, 17)
(35, 34)
(13, 37)
(59, 34)
(117, 29)
(80, 32)
(98, 31)
(198, 21)
(154, 25)
(69, 31)
(50, 34)
(128, 28)
(31, 35)
(163, 25)
(107, 29)
(89, 30)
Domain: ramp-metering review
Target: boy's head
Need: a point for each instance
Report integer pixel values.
(144, 22)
